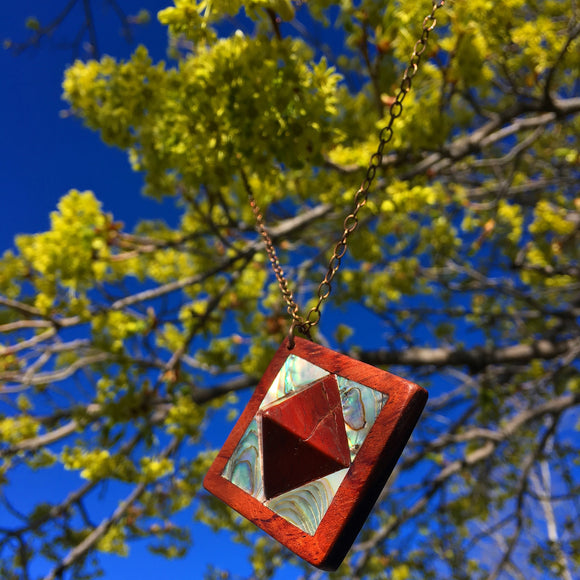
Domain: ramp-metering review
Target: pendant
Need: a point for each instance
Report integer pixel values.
(314, 447)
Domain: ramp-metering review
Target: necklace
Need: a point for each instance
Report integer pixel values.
(322, 432)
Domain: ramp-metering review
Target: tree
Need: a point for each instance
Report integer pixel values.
(121, 348)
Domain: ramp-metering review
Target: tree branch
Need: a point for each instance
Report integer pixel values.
(492, 132)
(16, 305)
(475, 359)
(46, 30)
(282, 230)
(52, 376)
(23, 345)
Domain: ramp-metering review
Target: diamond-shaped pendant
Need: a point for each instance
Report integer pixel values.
(314, 447)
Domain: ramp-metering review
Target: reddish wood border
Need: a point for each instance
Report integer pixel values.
(366, 477)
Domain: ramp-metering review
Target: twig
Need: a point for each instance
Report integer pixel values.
(52, 376)
(28, 343)
(16, 305)
(46, 30)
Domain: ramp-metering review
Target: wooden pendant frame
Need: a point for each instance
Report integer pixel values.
(367, 474)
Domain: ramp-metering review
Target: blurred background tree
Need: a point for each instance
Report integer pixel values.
(123, 350)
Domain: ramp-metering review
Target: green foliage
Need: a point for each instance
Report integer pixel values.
(79, 226)
(198, 122)
(119, 348)
(193, 20)
(99, 464)
(184, 417)
(16, 429)
(114, 542)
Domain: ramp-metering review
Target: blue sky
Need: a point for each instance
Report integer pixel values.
(42, 156)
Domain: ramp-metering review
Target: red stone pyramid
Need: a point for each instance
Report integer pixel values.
(303, 438)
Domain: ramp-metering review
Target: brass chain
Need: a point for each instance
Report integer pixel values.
(360, 199)
(292, 307)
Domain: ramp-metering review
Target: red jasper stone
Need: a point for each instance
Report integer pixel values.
(303, 438)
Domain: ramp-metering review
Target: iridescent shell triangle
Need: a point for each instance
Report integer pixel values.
(305, 506)
(295, 374)
(361, 406)
(243, 468)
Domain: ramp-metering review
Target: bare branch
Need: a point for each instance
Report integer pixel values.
(476, 358)
(21, 324)
(542, 487)
(23, 345)
(52, 376)
(90, 26)
(47, 30)
(42, 440)
(16, 305)
(492, 132)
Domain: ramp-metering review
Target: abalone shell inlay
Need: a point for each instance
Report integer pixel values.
(305, 506)
(243, 467)
(295, 374)
(361, 406)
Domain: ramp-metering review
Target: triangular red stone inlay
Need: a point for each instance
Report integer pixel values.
(303, 438)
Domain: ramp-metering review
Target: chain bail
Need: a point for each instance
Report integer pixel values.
(303, 327)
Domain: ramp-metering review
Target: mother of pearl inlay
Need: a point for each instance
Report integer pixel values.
(305, 506)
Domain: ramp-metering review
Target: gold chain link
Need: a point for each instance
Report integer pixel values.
(360, 198)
